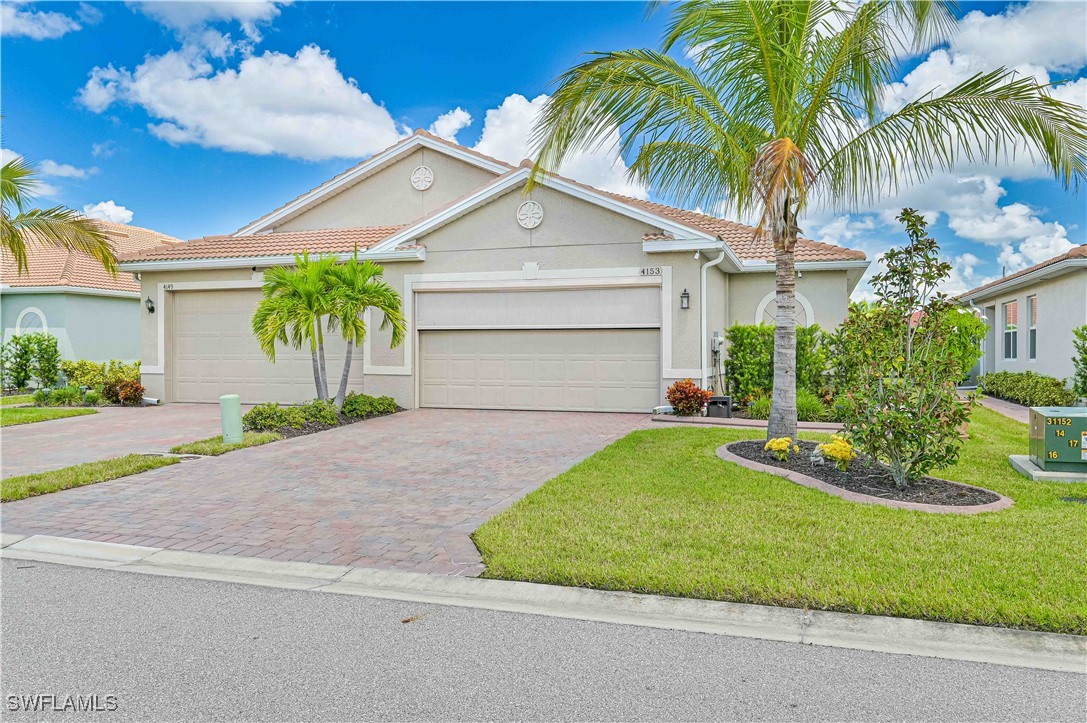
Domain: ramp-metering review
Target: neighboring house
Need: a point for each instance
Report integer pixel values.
(567, 298)
(1031, 315)
(93, 314)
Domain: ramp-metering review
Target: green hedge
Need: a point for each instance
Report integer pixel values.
(1028, 389)
(270, 416)
(749, 368)
(361, 406)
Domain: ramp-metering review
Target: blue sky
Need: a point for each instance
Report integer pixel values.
(195, 118)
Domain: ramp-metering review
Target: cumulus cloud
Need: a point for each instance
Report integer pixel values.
(506, 133)
(64, 170)
(1048, 34)
(108, 211)
(295, 105)
(448, 125)
(19, 20)
(190, 18)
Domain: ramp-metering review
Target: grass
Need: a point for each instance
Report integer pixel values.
(658, 512)
(31, 485)
(16, 399)
(30, 415)
(213, 446)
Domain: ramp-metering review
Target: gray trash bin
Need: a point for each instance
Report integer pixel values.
(719, 407)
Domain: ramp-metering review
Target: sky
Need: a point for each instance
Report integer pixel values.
(194, 118)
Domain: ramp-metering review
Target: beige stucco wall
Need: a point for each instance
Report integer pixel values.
(826, 291)
(387, 198)
(1062, 306)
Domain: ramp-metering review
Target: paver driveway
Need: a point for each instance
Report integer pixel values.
(401, 492)
(113, 432)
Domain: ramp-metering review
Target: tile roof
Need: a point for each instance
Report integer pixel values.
(331, 240)
(50, 266)
(1076, 252)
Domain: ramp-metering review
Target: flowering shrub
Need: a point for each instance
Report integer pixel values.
(687, 399)
(130, 392)
(781, 447)
(840, 450)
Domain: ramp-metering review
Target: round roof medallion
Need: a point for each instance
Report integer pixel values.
(530, 214)
(421, 178)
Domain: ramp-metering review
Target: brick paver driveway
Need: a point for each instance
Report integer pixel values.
(113, 432)
(401, 492)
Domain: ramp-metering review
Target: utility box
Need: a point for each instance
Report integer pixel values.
(230, 412)
(719, 407)
(1058, 436)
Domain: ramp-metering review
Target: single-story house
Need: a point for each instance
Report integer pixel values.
(1031, 315)
(93, 314)
(564, 298)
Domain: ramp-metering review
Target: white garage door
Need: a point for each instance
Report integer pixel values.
(604, 370)
(215, 353)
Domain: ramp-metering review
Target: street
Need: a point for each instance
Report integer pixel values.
(183, 649)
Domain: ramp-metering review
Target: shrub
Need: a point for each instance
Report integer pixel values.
(904, 408)
(70, 396)
(130, 392)
(809, 406)
(1079, 361)
(750, 367)
(84, 373)
(41, 398)
(270, 416)
(92, 398)
(118, 373)
(781, 447)
(687, 398)
(46, 362)
(20, 360)
(361, 406)
(1027, 388)
(321, 411)
(759, 407)
(839, 450)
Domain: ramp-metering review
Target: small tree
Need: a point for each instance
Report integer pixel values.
(20, 360)
(1079, 361)
(905, 409)
(46, 363)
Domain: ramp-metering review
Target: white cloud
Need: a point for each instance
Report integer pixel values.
(295, 105)
(1047, 34)
(108, 211)
(41, 189)
(189, 18)
(105, 149)
(64, 170)
(34, 24)
(7, 156)
(449, 124)
(507, 130)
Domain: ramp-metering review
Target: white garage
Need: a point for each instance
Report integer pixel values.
(215, 353)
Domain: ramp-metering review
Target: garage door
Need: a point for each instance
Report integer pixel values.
(606, 370)
(215, 353)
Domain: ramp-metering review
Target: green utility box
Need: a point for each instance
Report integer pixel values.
(1058, 437)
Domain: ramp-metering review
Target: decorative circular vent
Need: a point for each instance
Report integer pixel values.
(421, 178)
(530, 214)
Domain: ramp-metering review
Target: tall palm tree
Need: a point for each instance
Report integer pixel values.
(293, 309)
(782, 106)
(356, 287)
(57, 226)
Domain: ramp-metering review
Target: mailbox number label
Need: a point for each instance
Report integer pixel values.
(1052, 454)
(651, 271)
(1059, 421)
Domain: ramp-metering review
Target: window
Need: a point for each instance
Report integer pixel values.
(31, 320)
(1011, 329)
(1032, 327)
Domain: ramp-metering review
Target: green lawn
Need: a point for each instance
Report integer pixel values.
(17, 488)
(16, 399)
(658, 512)
(29, 415)
(213, 446)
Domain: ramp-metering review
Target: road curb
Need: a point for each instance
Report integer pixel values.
(1001, 646)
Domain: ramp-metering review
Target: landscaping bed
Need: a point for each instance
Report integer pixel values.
(867, 477)
(316, 416)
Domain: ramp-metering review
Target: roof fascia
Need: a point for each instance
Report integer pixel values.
(240, 262)
(81, 290)
(1046, 272)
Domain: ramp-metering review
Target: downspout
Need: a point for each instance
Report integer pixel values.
(703, 308)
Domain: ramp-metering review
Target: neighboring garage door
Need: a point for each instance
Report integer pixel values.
(573, 369)
(215, 353)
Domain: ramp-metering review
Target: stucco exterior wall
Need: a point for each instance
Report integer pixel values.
(98, 328)
(1062, 306)
(387, 198)
(826, 291)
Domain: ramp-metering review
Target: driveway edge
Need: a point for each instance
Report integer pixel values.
(1000, 646)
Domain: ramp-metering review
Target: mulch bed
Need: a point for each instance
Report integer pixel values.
(314, 427)
(867, 477)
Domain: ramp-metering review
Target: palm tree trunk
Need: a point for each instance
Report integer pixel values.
(323, 394)
(342, 393)
(316, 367)
(783, 404)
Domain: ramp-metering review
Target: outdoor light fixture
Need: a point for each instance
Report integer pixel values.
(150, 305)
(685, 300)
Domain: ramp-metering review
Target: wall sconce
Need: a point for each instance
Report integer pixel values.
(150, 305)
(685, 300)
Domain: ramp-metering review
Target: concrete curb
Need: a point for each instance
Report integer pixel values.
(1001, 646)
(741, 423)
(1024, 466)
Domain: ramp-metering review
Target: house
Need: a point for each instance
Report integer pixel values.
(93, 314)
(1031, 315)
(564, 298)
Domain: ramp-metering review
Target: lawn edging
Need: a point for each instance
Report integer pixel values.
(806, 481)
(743, 423)
(955, 641)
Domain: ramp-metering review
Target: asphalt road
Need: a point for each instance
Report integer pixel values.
(172, 649)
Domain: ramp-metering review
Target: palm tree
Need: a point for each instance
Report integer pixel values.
(356, 287)
(296, 301)
(782, 106)
(57, 226)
